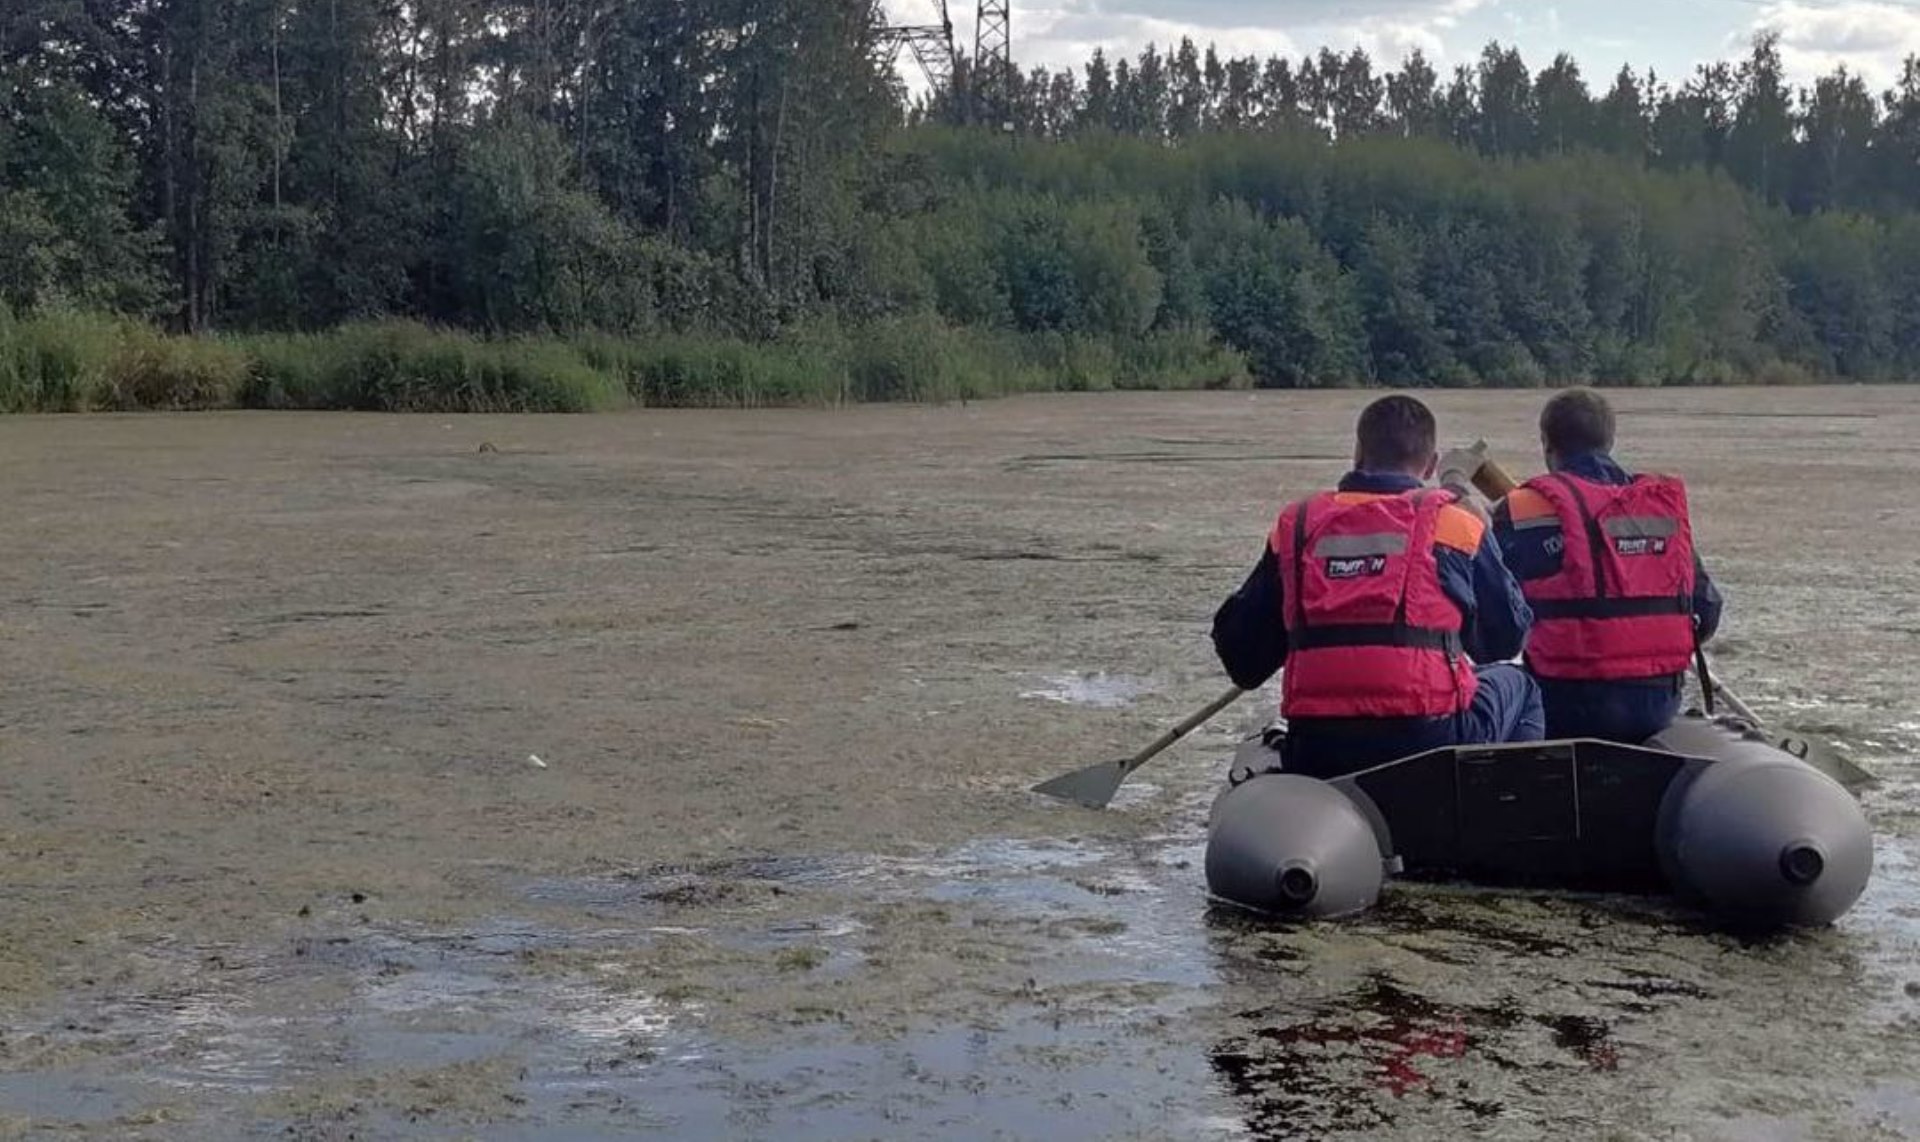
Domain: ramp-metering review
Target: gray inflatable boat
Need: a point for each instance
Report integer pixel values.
(1711, 811)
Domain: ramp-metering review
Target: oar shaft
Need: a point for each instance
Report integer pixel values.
(1200, 718)
(1710, 680)
(1734, 703)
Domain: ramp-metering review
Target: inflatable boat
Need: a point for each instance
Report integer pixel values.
(1711, 811)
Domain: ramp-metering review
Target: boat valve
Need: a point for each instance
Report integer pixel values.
(1802, 862)
(1296, 885)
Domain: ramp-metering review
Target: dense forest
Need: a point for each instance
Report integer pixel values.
(738, 200)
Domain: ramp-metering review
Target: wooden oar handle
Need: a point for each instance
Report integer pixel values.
(1199, 718)
(1494, 482)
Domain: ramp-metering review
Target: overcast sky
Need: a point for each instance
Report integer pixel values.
(1869, 36)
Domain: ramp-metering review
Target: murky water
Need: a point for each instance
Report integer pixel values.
(1100, 691)
(281, 867)
(1120, 1003)
(1089, 990)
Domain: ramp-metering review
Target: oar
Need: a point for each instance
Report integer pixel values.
(1820, 756)
(1493, 481)
(1095, 785)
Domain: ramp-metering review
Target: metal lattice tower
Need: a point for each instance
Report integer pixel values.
(993, 62)
(932, 47)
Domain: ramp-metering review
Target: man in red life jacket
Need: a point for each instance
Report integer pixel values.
(1607, 561)
(1379, 597)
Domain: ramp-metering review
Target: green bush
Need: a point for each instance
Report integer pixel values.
(405, 367)
(1783, 373)
(1711, 372)
(150, 370)
(1181, 359)
(55, 362)
(920, 358)
(75, 362)
(1074, 363)
(1509, 366)
(288, 371)
(1618, 361)
(688, 372)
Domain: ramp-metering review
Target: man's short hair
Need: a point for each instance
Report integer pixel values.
(1397, 434)
(1576, 421)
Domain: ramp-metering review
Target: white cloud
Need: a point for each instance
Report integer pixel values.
(1066, 36)
(1390, 42)
(1064, 33)
(1870, 39)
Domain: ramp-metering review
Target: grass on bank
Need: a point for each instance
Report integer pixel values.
(71, 362)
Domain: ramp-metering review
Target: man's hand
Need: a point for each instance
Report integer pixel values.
(1455, 473)
(1459, 466)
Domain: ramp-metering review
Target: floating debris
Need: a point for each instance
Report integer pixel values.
(1101, 691)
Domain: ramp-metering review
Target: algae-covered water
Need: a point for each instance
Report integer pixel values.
(280, 863)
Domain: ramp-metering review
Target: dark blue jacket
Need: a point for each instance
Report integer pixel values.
(1631, 710)
(1250, 630)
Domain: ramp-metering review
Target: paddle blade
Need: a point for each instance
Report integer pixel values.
(1093, 786)
(1830, 762)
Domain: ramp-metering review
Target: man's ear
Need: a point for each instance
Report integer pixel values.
(1433, 463)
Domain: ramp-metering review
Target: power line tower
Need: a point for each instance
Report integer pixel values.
(932, 47)
(993, 76)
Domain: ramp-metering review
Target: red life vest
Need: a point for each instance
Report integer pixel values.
(1621, 605)
(1370, 631)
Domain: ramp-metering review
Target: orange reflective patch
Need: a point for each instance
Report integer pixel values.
(1459, 529)
(1525, 503)
(1344, 499)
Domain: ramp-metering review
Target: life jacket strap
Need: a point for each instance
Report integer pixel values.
(1612, 607)
(1596, 538)
(1349, 635)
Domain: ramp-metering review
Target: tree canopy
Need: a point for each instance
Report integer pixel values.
(749, 168)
